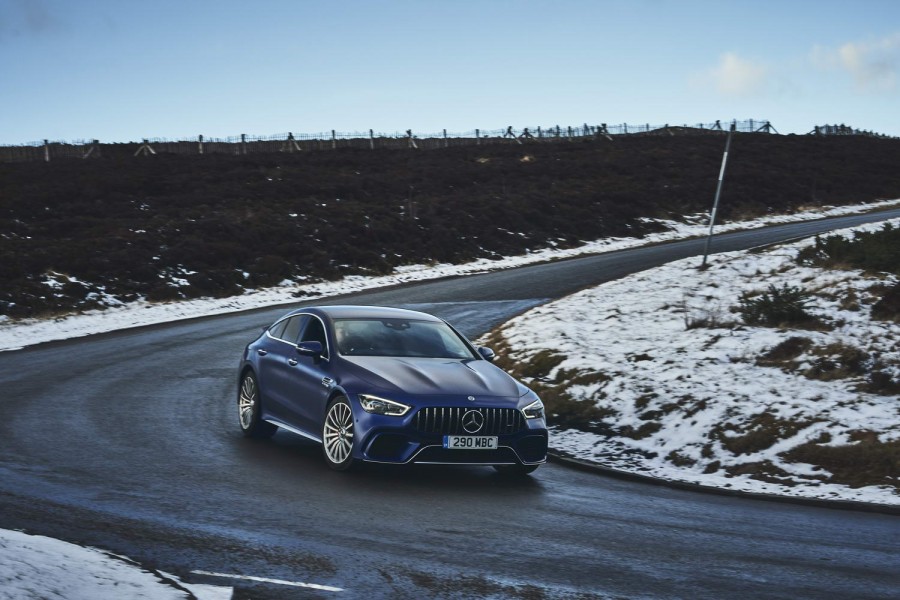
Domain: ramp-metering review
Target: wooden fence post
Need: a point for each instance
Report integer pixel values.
(318, 142)
(145, 149)
(91, 149)
(290, 143)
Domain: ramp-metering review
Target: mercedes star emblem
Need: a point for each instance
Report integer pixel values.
(473, 421)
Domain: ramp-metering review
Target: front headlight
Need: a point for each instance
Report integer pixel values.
(383, 406)
(535, 410)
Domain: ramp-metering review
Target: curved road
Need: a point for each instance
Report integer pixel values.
(129, 441)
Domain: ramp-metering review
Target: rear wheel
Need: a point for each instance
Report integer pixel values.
(337, 434)
(516, 469)
(249, 409)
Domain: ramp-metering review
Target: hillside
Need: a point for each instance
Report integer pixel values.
(672, 373)
(87, 233)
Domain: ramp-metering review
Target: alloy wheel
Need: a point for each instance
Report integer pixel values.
(248, 398)
(338, 434)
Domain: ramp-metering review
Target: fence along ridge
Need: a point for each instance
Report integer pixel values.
(299, 142)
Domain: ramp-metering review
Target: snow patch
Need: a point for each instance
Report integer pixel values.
(682, 393)
(33, 566)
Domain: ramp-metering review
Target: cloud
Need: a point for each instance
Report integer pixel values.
(737, 77)
(874, 65)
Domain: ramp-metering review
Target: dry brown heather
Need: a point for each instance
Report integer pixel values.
(131, 223)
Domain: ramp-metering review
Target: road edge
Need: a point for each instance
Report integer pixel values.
(596, 468)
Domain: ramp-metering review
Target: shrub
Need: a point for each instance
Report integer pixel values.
(871, 251)
(777, 306)
(888, 308)
(784, 353)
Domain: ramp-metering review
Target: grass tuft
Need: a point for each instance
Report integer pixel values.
(865, 462)
(761, 433)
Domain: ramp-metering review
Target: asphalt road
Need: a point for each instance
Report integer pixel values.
(129, 441)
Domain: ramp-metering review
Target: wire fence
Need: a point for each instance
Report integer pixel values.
(842, 130)
(290, 142)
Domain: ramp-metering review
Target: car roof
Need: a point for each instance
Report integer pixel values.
(366, 312)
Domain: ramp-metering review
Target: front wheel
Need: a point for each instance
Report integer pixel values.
(337, 434)
(516, 469)
(249, 409)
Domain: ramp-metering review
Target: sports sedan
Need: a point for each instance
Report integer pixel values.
(386, 385)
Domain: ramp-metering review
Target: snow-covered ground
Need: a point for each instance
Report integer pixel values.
(643, 323)
(690, 403)
(42, 568)
(15, 334)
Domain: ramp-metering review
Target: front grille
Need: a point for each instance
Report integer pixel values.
(449, 420)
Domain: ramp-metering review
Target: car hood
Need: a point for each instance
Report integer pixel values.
(434, 376)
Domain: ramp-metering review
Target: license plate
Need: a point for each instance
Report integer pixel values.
(470, 442)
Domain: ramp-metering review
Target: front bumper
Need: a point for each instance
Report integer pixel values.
(413, 439)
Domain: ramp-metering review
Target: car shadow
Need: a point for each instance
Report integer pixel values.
(292, 455)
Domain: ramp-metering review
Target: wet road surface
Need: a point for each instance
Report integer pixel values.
(129, 441)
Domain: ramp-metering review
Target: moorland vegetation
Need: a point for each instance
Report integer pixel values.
(81, 234)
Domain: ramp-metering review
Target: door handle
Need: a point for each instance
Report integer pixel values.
(292, 362)
(262, 352)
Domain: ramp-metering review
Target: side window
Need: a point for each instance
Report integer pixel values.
(292, 331)
(277, 329)
(315, 332)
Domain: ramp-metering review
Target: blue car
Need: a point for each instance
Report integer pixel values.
(387, 385)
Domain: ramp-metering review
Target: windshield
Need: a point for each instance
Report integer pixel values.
(398, 337)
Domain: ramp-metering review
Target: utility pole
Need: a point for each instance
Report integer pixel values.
(715, 208)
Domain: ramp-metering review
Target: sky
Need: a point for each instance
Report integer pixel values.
(123, 70)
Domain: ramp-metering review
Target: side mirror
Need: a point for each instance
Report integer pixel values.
(310, 349)
(486, 353)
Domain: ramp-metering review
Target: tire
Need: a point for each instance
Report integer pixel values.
(250, 408)
(516, 469)
(338, 434)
